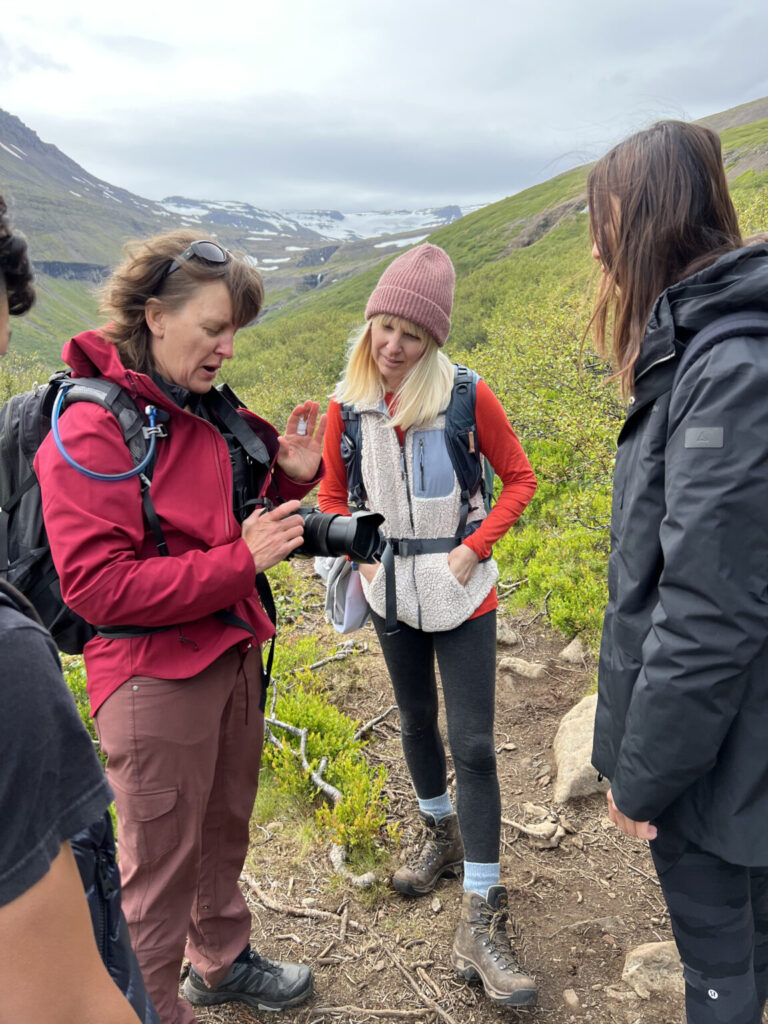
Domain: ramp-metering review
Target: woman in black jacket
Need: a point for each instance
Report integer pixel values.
(682, 719)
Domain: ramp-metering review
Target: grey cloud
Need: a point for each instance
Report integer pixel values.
(306, 163)
(479, 104)
(17, 60)
(138, 47)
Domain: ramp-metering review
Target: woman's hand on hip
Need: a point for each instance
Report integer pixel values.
(462, 561)
(301, 446)
(636, 829)
(272, 535)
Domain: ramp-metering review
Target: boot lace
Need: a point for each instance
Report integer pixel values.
(435, 842)
(491, 927)
(262, 964)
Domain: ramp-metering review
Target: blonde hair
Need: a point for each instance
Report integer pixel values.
(143, 276)
(423, 394)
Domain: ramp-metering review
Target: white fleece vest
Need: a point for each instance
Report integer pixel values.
(416, 490)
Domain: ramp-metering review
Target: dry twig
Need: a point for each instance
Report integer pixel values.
(364, 1011)
(427, 1000)
(374, 721)
(286, 908)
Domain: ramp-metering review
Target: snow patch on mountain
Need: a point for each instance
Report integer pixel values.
(331, 225)
(400, 243)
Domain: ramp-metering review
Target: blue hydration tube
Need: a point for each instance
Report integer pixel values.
(151, 412)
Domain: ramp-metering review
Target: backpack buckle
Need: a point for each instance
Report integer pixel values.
(157, 431)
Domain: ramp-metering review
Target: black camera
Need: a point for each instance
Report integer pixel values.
(330, 535)
(327, 535)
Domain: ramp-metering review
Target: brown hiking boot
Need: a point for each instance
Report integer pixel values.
(441, 854)
(482, 949)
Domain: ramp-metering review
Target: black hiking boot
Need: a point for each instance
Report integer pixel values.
(257, 982)
(482, 949)
(441, 854)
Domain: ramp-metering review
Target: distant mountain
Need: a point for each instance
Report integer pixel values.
(319, 260)
(325, 224)
(72, 217)
(77, 224)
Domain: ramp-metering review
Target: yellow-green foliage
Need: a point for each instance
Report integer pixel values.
(567, 416)
(751, 201)
(357, 820)
(74, 673)
(19, 373)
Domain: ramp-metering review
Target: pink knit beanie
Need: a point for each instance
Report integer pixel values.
(417, 286)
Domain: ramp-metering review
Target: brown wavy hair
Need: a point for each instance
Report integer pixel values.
(659, 210)
(15, 267)
(141, 276)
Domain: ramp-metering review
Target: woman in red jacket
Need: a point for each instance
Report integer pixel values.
(400, 383)
(178, 701)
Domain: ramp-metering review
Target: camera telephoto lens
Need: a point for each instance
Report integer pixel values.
(329, 535)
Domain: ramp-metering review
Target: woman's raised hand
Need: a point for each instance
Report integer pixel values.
(272, 535)
(301, 446)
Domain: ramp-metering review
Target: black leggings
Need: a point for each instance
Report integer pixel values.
(467, 660)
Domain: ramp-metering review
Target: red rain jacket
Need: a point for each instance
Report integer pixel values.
(110, 569)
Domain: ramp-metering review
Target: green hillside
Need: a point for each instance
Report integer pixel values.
(523, 293)
(64, 308)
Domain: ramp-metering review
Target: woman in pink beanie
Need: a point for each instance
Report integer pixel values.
(387, 426)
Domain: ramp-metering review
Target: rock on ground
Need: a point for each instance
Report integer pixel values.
(521, 667)
(654, 967)
(505, 634)
(573, 749)
(575, 653)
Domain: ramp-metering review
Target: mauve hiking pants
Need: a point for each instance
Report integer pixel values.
(466, 657)
(183, 759)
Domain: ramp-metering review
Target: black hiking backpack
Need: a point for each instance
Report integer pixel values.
(25, 555)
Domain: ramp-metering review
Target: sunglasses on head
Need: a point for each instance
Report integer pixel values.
(209, 252)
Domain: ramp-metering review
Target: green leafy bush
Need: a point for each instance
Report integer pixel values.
(357, 820)
(567, 414)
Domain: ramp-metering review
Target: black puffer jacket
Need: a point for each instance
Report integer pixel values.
(682, 717)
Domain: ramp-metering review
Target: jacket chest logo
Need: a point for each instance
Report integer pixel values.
(704, 437)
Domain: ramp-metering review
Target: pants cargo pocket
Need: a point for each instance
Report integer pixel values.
(149, 829)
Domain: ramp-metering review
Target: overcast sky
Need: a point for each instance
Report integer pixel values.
(365, 104)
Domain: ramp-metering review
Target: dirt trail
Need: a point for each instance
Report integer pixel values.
(578, 908)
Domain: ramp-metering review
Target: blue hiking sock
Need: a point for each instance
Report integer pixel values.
(480, 877)
(438, 806)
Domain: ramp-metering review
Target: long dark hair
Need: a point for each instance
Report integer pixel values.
(15, 267)
(659, 210)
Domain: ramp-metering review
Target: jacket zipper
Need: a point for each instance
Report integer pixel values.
(664, 359)
(421, 461)
(404, 471)
(105, 889)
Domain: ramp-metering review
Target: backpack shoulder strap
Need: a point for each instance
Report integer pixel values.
(747, 322)
(112, 397)
(115, 399)
(461, 439)
(352, 454)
